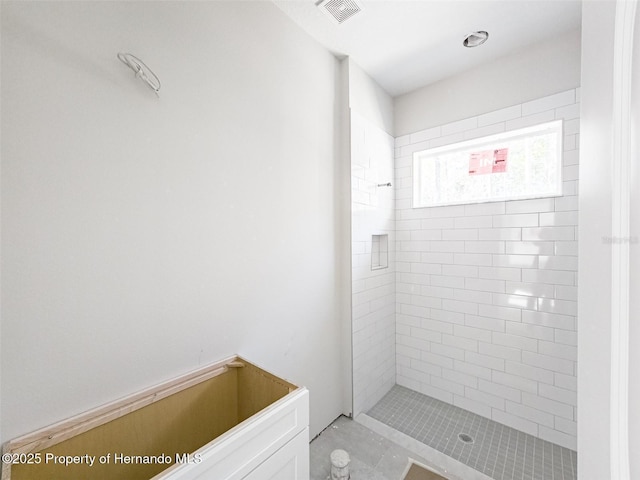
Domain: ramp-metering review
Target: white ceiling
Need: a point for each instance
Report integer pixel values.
(406, 44)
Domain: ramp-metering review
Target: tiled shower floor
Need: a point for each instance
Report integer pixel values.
(498, 451)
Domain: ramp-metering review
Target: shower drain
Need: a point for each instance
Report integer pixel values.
(463, 437)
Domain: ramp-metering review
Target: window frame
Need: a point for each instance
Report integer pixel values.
(491, 142)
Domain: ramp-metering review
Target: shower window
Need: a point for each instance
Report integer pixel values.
(515, 165)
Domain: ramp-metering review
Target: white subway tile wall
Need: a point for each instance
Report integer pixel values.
(373, 286)
(486, 293)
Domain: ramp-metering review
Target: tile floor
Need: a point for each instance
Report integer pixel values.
(379, 453)
(498, 451)
(373, 457)
(406, 425)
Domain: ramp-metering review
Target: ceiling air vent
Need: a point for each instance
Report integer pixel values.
(340, 10)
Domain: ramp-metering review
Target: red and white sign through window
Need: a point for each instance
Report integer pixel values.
(488, 161)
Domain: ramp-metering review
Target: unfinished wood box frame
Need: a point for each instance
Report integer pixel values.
(229, 420)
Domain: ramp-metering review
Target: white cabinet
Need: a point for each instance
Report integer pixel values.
(229, 421)
(273, 444)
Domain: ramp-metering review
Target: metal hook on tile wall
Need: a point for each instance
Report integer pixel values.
(388, 184)
(141, 70)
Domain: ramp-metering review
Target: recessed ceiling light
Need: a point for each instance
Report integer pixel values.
(475, 38)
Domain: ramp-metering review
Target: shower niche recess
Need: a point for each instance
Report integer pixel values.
(379, 251)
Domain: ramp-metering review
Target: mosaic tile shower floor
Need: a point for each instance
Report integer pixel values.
(498, 451)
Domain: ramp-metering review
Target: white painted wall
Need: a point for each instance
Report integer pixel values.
(594, 277)
(369, 99)
(598, 450)
(634, 338)
(487, 293)
(343, 246)
(545, 68)
(144, 237)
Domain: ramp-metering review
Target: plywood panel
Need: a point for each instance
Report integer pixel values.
(178, 424)
(257, 389)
